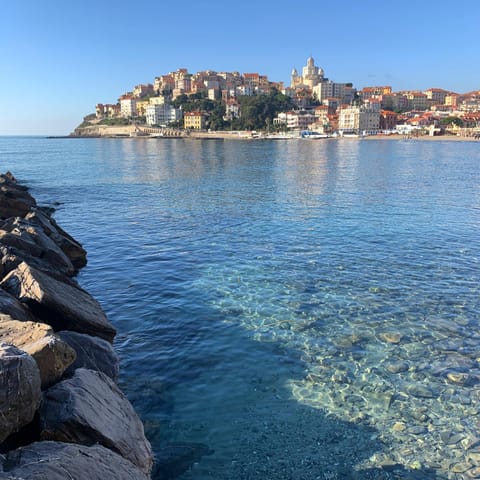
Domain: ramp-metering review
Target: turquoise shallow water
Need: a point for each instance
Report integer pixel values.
(285, 309)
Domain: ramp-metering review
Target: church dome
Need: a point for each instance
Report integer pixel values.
(310, 61)
(294, 72)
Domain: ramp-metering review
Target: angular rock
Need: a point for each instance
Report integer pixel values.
(9, 305)
(15, 201)
(53, 355)
(93, 353)
(61, 461)
(26, 241)
(72, 249)
(89, 408)
(20, 392)
(9, 262)
(62, 306)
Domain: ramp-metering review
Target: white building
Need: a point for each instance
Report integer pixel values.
(162, 114)
(328, 89)
(244, 90)
(128, 107)
(359, 120)
(295, 120)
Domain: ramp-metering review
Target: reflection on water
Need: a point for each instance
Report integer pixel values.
(304, 309)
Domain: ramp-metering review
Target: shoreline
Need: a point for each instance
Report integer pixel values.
(61, 409)
(239, 136)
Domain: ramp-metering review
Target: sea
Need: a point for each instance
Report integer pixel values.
(286, 309)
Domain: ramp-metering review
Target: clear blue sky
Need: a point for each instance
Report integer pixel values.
(58, 58)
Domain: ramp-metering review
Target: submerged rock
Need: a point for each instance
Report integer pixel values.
(177, 458)
(62, 306)
(89, 408)
(93, 353)
(390, 337)
(53, 355)
(20, 392)
(421, 391)
(397, 367)
(61, 461)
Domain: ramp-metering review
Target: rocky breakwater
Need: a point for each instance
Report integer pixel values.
(62, 414)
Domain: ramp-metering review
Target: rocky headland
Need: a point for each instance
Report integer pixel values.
(62, 414)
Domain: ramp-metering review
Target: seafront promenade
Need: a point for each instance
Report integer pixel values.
(145, 132)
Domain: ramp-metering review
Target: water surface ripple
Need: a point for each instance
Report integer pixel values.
(286, 310)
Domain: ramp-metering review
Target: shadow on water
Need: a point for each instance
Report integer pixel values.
(257, 430)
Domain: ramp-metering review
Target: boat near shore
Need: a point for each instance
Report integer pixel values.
(310, 135)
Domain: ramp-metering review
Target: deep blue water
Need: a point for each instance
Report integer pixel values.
(271, 296)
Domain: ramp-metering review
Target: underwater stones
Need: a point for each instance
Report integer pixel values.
(379, 398)
(473, 472)
(420, 391)
(417, 430)
(399, 427)
(390, 337)
(397, 367)
(450, 438)
(177, 458)
(460, 378)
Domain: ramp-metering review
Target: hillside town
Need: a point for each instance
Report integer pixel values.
(214, 101)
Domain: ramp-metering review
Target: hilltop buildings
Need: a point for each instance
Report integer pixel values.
(318, 103)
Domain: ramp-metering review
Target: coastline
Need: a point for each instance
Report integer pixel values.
(60, 407)
(131, 131)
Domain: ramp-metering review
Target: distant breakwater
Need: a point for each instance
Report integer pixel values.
(62, 414)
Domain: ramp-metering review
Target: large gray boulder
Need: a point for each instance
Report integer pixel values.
(73, 249)
(52, 354)
(61, 461)
(27, 241)
(89, 408)
(93, 353)
(11, 306)
(62, 306)
(20, 392)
